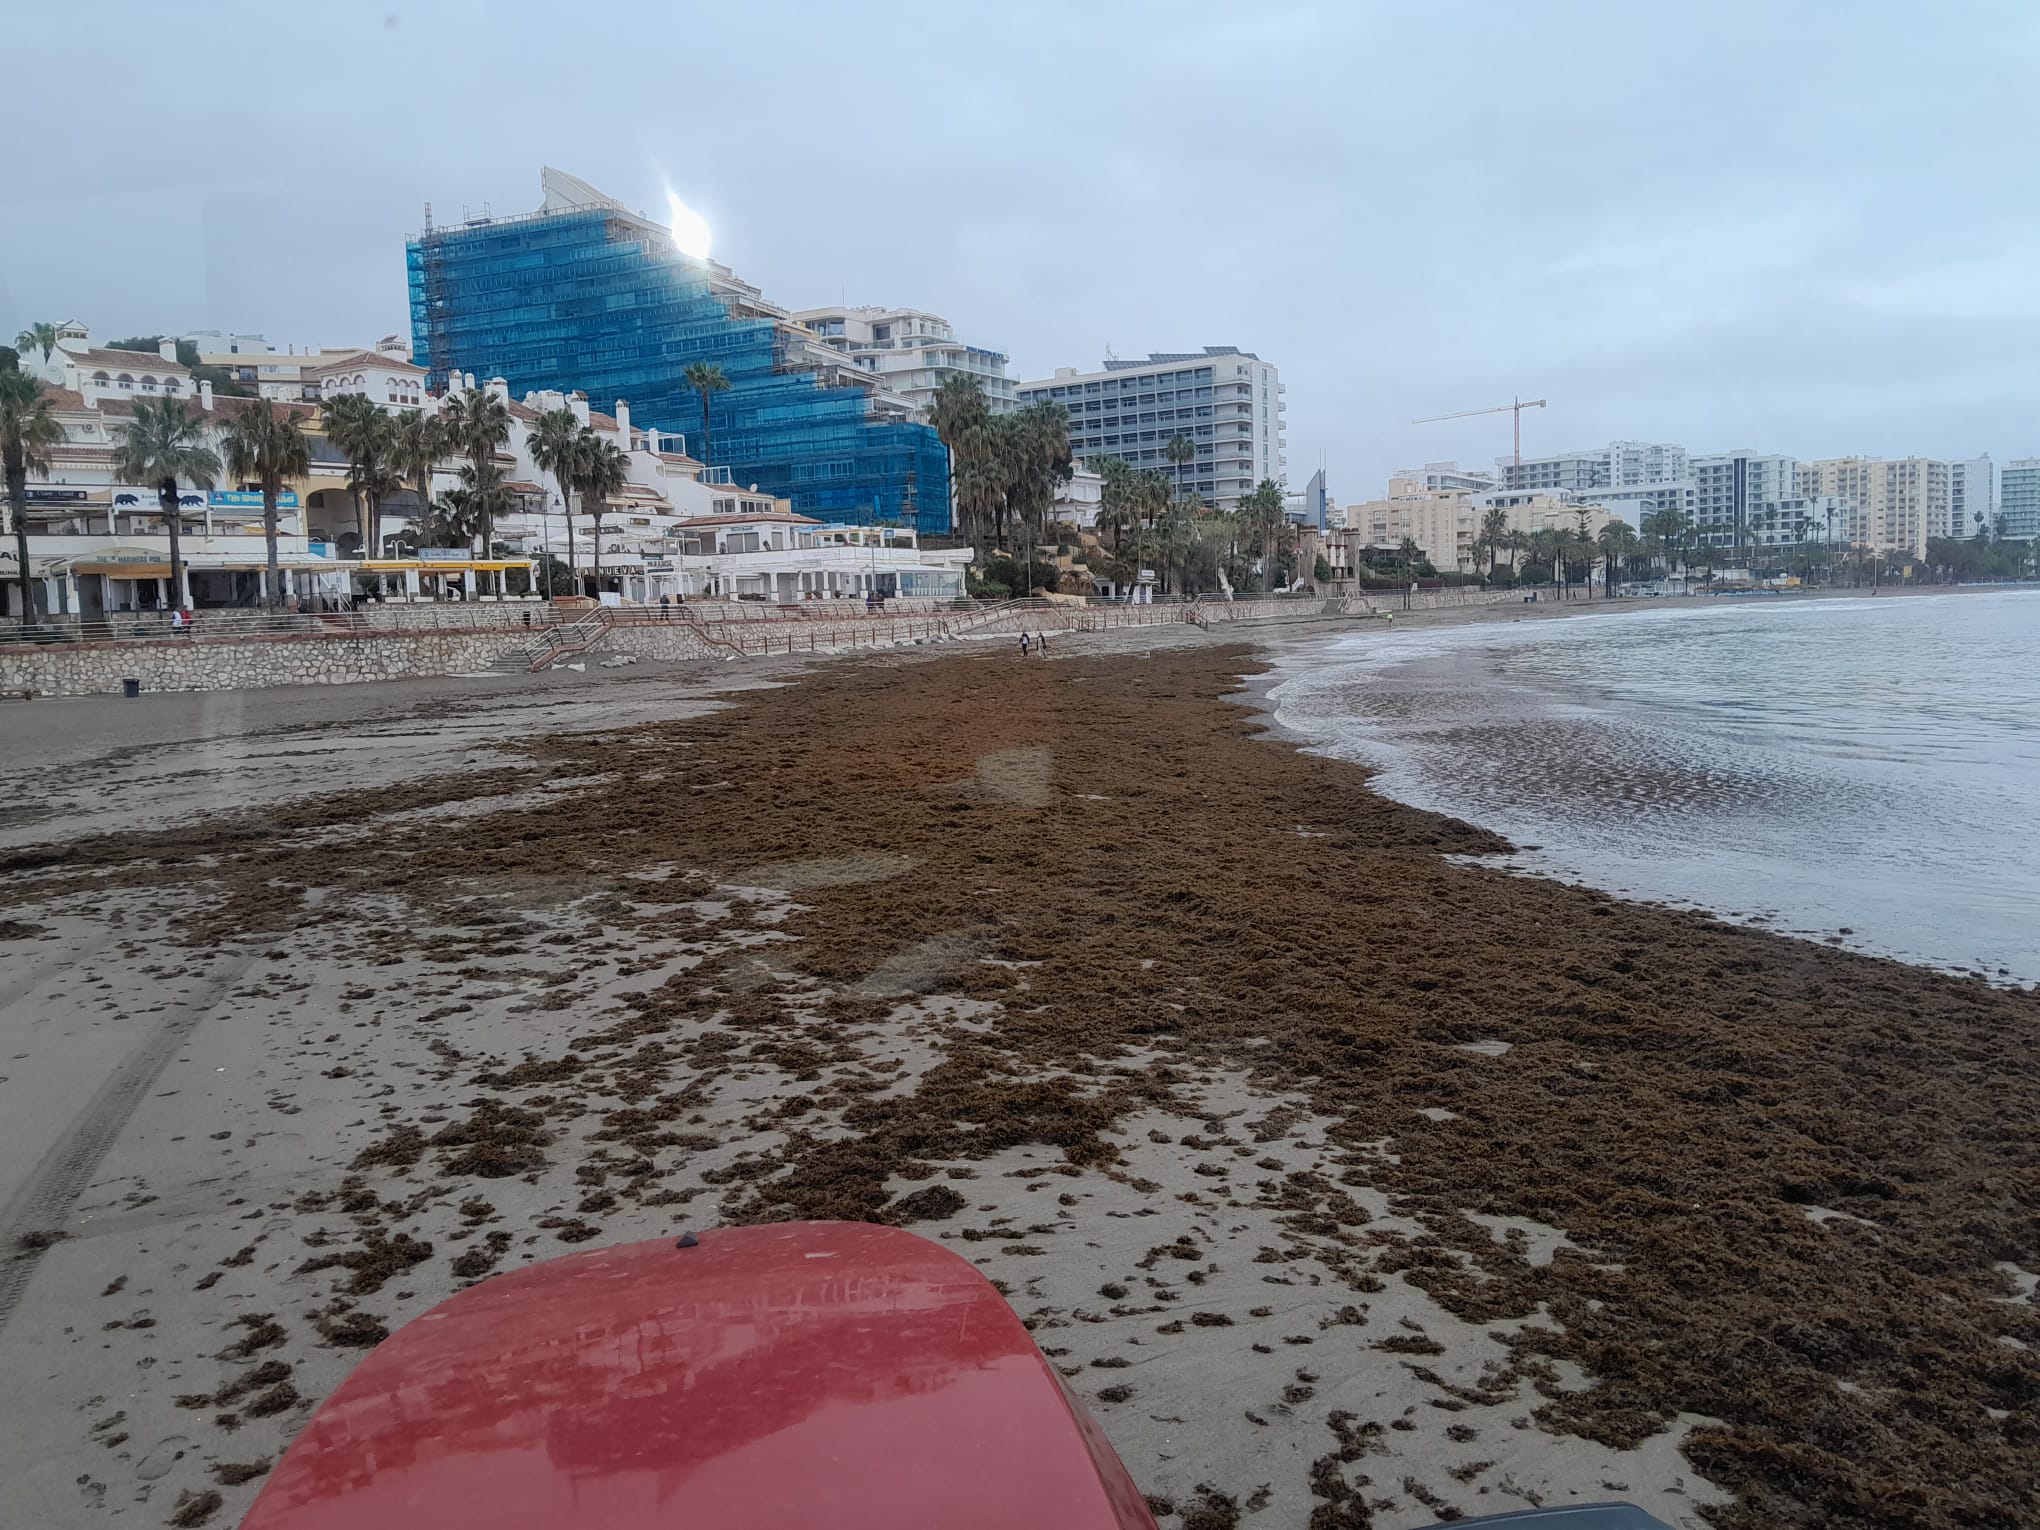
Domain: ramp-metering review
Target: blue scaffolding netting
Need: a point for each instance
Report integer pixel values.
(582, 300)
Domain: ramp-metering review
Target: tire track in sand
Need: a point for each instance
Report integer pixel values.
(46, 1198)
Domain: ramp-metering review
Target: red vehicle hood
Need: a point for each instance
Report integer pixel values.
(833, 1375)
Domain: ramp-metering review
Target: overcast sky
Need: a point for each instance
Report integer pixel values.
(1802, 228)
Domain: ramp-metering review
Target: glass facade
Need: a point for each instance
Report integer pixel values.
(590, 300)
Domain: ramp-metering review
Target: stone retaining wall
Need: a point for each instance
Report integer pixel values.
(180, 664)
(670, 641)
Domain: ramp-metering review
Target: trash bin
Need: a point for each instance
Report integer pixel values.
(131, 687)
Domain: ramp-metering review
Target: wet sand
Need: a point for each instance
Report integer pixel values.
(1352, 1184)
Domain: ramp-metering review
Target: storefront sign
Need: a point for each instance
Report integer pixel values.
(242, 499)
(55, 496)
(444, 554)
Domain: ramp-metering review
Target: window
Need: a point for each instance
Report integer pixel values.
(127, 382)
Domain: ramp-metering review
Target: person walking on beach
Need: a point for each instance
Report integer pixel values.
(1041, 644)
(1023, 645)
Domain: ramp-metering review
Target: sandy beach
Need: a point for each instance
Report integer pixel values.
(1351, 1184)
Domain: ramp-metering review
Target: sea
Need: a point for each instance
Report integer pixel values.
(1863, 771)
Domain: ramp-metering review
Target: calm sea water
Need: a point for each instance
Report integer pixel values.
(1867, 769)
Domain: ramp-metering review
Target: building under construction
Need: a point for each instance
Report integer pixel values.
(585, 294)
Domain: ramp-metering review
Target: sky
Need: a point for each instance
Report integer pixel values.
(1808, 228)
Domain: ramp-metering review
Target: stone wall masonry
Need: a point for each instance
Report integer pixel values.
(180, 664)
(667, 641)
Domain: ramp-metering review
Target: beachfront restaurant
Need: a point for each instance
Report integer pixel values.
(434, 574)
(110, 579)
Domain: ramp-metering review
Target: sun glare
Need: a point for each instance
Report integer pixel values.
(690, 229)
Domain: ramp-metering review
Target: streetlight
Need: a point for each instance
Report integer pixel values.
(545, 541)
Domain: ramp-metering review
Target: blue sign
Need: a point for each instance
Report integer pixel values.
(241, 499)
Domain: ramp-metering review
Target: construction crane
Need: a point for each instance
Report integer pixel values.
(1515, 409)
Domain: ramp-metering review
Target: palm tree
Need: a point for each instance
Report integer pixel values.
(1618, 542)
(979, 487)
(1673, 529)
(267, 446)
(1180, 451)
(1261, 518)
(600, 471)
(960, 416)
(159, 445)
(40, 336)
(554, 442)
(417, 443)
(366, 433)
(1494, 531)
(1177, 537)
(704, 377)
(477, 422)
(28, 429)
(484, 486)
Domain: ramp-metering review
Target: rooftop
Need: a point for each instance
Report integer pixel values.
(149, 361)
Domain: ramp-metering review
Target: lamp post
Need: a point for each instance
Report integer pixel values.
(545, 542)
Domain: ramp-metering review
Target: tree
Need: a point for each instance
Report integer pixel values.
(979, 486)
(417, 443)
(160, 444)
(1180, 451)
(366, 434)
(1617, 541)
(1037, 458)
(1175, 534)
(40, 336)
(704, 377)
(1494, 533)
(265, 445)
(1668, 531)
(602, 470)
(959, 413)
(477, 422)
(28, 429)
(554, 442)
(1262, 523)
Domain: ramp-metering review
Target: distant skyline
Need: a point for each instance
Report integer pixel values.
(1808, 229)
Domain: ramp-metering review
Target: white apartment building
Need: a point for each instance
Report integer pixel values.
(1226, 401)
(1972, 496)
(1619, 464)
(912, 352)
(1749, 499)
(2019, 500)
(1439, 475)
